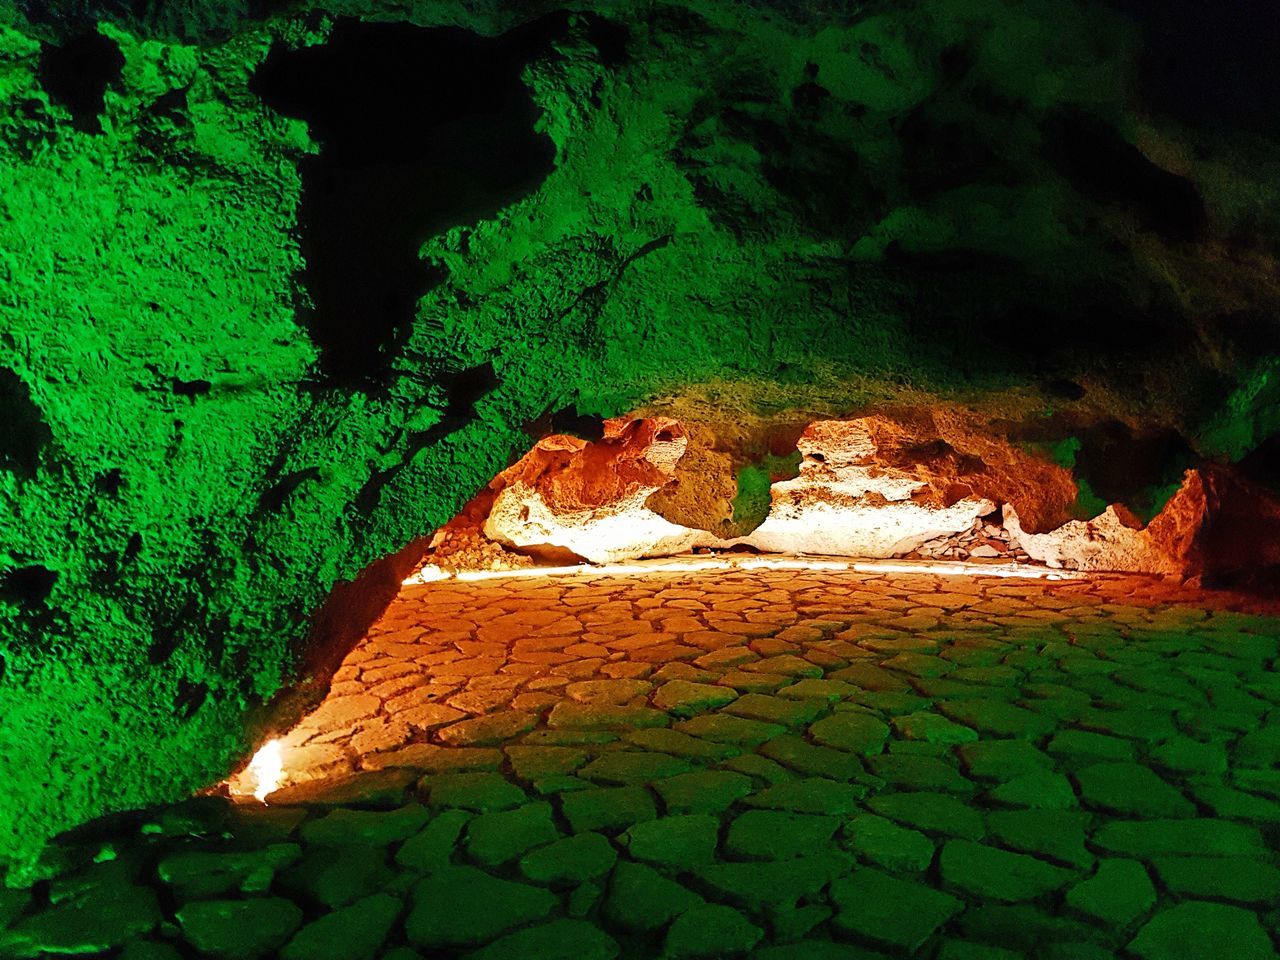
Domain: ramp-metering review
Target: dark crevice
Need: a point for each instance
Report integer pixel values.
(610, 40)
(190, 388)
(566, 420)
(28, 586)
(464, 389)
(274, 497)
(1210, 64)
(166, 637)
(23, 432)
(421, 130)
(190, 698)
(1104, 166)
(1132, 468)
(1262, 464)
(110, 482)
(76, 75)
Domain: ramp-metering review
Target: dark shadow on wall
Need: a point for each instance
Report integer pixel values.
(76, 75)
(420, 130)
(23, 431)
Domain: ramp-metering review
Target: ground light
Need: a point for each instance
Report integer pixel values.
(433, 574)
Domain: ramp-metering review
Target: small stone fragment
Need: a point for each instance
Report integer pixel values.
(1041, 789)
(776, 835)
(196, 874)
(683, 698)
(481, 792)
(809, 795)
(1118, 893)
(632, 767)
(997, 718)
(675, 841)
(932, 728)
(711, 930)
(491, 729)
(239, 929)
(351, 933)
(992, 874)
(761, 883)
(457, 906)
(930, 812)
(607, 808)
(495, 838)
(1053, 834)
(703, 791)
(1003, 759)
(1244, 880)
(889, 911)
(640, 898)
(1133, 790)
(885, 844)
(1151, 838)
(562, 939)
(856, 732)
(1203, 931)
(434, 845)
(571, 861)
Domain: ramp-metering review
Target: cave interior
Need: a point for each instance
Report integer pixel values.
(691, 479)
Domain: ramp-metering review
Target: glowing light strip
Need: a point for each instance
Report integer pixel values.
(954, 568)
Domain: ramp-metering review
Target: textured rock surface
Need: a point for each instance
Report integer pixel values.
(845, 501)
(215, 410)
(589, 498)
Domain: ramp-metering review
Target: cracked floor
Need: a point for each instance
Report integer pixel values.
(783, 764)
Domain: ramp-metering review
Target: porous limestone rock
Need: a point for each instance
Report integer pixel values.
(589, 498)
(847, 502)
(1117, 540)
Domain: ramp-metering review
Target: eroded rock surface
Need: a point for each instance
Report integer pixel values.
(589, 498)
(847, 501)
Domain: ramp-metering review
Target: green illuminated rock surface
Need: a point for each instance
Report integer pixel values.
(889, 911)
(572, 860)
(239, 929)
(352, 933)
(710, 930)
(1200, 931)
(1119, 892)
(557, 940)
(462, 905)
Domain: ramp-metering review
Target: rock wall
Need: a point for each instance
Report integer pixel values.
(212, 418)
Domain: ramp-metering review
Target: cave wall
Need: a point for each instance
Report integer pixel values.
(752, 205)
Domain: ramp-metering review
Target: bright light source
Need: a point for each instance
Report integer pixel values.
(433, 573)
(263, 775)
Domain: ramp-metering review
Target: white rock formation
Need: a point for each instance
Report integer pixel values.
(621, 530)
(843, 503)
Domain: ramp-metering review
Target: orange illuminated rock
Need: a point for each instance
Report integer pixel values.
(589, 498)
(1216, 527)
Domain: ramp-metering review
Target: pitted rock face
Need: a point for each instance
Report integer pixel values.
(847, 501)
(590, 498)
